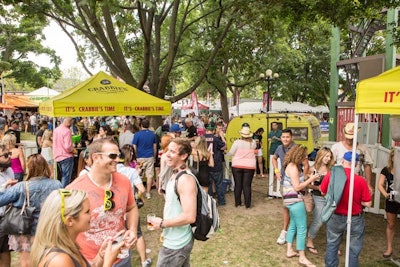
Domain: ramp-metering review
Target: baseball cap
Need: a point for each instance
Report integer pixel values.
(175, 128)
(347, 156)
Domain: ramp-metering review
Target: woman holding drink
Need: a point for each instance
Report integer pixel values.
(323, 164)
(293, 188)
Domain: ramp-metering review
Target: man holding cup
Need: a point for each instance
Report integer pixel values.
(180, 212)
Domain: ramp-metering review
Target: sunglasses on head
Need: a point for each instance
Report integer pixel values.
(111, 155)
(108, 202)
(63, 193)
(6, 155)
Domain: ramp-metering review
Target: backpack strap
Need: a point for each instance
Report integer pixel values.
(176, 182)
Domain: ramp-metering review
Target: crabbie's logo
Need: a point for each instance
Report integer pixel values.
(105, 82)
(107, 88)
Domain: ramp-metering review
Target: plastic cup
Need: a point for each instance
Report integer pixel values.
(150, 226)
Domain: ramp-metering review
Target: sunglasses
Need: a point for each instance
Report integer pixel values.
(6, 155)
(63, 193)
(111, 155)
(108, 202)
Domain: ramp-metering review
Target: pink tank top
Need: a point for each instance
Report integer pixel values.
(16, 165)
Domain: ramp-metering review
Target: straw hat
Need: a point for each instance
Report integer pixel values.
(348, 130)
(245, 132)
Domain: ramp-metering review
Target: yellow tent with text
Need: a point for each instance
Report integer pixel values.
(379, 94)
(104, 95)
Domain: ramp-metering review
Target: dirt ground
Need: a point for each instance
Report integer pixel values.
(248, 236)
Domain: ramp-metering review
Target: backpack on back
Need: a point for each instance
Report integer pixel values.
(335, 190)
(207, 218)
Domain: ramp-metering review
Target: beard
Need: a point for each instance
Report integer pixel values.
(5, 165)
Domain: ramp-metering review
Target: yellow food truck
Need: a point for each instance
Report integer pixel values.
(305, 128)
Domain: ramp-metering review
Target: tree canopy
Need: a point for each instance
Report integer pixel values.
(21, 36)
(176, 47)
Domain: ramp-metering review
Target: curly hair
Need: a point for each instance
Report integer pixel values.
(295, 155)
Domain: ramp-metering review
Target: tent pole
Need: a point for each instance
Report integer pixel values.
(350, 205)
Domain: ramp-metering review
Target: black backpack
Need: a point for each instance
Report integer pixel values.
(207, 217)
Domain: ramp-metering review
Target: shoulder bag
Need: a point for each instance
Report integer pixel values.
(18, 221)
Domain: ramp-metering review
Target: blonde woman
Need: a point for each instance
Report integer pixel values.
(323, 164)
(39, 185)
(47, 148)
(202, 159)
(17, 156)
(64, 215)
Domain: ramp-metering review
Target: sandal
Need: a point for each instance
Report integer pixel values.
(312, 250)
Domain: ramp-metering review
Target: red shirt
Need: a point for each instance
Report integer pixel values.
(360, 193)
(103, 224)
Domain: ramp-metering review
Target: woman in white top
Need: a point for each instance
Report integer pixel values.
(47, 148)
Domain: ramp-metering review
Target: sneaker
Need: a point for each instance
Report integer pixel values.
(148, 196)
(147, 263)
(282, 238)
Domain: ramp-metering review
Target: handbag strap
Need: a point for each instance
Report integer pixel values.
(26, 195)
(198, 158)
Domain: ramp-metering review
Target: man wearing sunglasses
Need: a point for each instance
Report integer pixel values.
(111, 200)
(6, 180)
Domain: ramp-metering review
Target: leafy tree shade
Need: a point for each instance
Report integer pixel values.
(20, 35)
(217, 45)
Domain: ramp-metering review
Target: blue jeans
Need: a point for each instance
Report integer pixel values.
(243, 179)
(319, 203)
(298, 225)
(335, 228)
(126, 262)
(65, 166)
(217, 177)
(175, 257)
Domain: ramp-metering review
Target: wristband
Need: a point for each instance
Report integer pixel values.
(276, 170)
(161, 224)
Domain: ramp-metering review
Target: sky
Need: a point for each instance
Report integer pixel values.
(57, 40)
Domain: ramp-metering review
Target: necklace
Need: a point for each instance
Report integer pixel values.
(93, 181)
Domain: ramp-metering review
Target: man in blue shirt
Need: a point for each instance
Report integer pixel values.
(145, 145)
(218, 145)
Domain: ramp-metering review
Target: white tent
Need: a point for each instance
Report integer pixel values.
(278, 106)
(43, 91)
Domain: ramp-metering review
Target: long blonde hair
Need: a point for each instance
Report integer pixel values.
(390, 160)
(200, 144)
(9, 140)
(319, 157)
(51, 231)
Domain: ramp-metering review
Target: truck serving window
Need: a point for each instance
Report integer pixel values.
(299, 133)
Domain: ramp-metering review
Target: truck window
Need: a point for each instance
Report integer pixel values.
(299, 133)
(280, 125)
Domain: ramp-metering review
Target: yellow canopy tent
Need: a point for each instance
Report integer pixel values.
(380, 94)
(103, 95)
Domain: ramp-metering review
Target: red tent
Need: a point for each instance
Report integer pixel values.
(199, 105)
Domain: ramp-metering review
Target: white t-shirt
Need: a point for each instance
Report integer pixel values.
(32, 118)
(338, 150)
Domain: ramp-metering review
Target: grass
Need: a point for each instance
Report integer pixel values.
(248, 237)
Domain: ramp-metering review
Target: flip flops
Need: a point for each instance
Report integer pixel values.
(312, 250)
